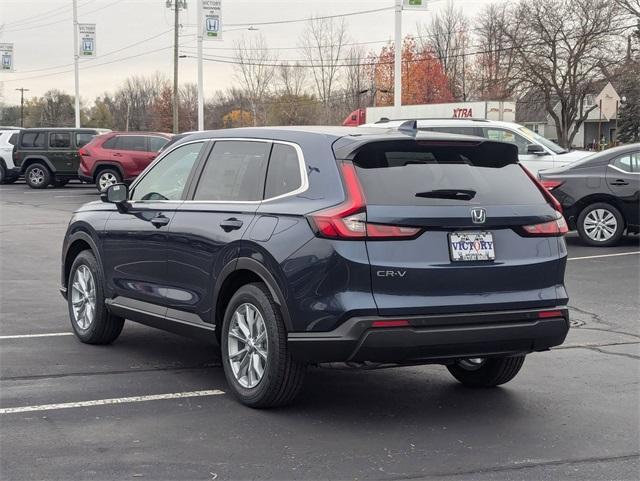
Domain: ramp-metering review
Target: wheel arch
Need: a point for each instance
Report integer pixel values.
(240, 272)
(586, 201)
(33, 159)
(102, 165)
(78, 241)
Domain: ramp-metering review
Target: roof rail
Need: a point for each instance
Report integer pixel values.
(385, 119)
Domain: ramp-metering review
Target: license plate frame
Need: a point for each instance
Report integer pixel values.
(477, 251)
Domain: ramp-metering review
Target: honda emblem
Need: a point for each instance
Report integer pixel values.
(478, 215)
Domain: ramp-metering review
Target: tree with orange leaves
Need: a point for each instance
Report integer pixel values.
(423, 78)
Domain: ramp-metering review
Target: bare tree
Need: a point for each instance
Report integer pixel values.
(631, 6)
(255, 70)
(491, 72)
(446, 35)
(357, 79)
(562, 47)
(322, 44)
(188, 107)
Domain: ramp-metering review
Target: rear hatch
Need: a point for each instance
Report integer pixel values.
(457, 227)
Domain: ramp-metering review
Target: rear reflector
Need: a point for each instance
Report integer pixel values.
(548, 314)
(554, 228)
(392, 323)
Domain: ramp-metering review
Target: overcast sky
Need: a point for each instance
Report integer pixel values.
(42, 34)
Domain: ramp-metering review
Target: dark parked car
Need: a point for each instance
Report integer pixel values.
(50, 155)
(327, 244)
(119, 156)
(600, 195)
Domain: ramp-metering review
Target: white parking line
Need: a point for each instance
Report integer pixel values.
(27, 336)
(603, 255)
(103, 402)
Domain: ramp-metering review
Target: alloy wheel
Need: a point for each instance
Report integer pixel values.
(83, 297)
(247, 345)
(106, 179)
(36, 176)
(600, 225)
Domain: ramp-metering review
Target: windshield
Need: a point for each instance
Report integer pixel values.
(555, 148)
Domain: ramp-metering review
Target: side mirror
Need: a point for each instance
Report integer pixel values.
(117, 194)
(535, 149)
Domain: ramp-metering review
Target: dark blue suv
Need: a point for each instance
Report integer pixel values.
(296, 246)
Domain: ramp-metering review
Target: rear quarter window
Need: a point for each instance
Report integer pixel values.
(408, 173)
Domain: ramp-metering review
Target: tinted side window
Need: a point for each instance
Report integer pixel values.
(168, 178)
(132, 142)
(629, 162)
(156, 143)
(33, 140)
(83, 138)
(456, 130)
(60, 140)
(111, 143)
(283, 175)
(13, 139)
(234, 171)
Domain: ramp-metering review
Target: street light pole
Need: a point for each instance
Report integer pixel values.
(200, 34)
(176, 26)
(397, 60)
(22, 91)
(76, 66)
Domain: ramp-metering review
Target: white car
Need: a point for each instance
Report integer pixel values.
(534, 151)
(8, 171)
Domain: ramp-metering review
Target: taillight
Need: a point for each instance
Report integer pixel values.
(550, 184)
(549, 314)
(547, 195)
(553, 228)
(348, 220)
(84, 152)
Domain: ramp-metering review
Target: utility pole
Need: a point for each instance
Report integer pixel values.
(76, 58)
(22, 90)
(175, 5)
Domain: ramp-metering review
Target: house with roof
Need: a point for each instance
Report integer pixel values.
(600, 124)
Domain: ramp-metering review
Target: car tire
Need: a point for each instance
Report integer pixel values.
(107, 177)
(38, 176)
(3, 174)
(282, 377)
(60, 183)
(490, 372)
(85, 297)
(600, 224)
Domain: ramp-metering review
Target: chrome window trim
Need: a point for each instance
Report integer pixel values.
(301, 163)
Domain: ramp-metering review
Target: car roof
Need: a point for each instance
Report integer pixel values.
(129, 132)
(448, 122)
(65, 129)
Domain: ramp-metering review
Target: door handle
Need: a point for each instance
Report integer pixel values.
(231, 224)
(160, 220)
(117, 154)
(619, 182)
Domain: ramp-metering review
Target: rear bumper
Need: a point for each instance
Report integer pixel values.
(434, 338)
(12, 173)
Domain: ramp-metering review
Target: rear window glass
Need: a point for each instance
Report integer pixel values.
(156, 143)
(33, 139)
(83, 138)
(415, 173)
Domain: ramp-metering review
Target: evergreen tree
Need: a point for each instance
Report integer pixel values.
(629, 114)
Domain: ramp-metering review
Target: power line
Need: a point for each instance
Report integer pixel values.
(306, 19)
(55, 12)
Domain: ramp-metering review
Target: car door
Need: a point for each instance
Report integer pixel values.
(135, 240)
(623, 179)
(61, 153)
(533, 162)
(207, 229)
(132, 153)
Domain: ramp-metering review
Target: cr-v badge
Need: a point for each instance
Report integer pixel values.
(478, 215)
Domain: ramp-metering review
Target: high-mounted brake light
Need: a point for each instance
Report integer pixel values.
(551, 184)
(348, 220)
(547, 195)
(554, 228)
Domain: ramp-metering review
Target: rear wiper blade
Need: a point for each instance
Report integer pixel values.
(459, 194)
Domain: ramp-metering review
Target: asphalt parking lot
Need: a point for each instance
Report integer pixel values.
(159, 408)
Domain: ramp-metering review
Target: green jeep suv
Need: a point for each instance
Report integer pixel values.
(50, 155)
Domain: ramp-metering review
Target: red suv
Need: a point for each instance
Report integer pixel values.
(119, 156)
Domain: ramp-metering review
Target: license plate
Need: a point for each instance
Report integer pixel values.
(471, 246)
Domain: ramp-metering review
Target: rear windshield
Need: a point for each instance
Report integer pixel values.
(415, 173)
